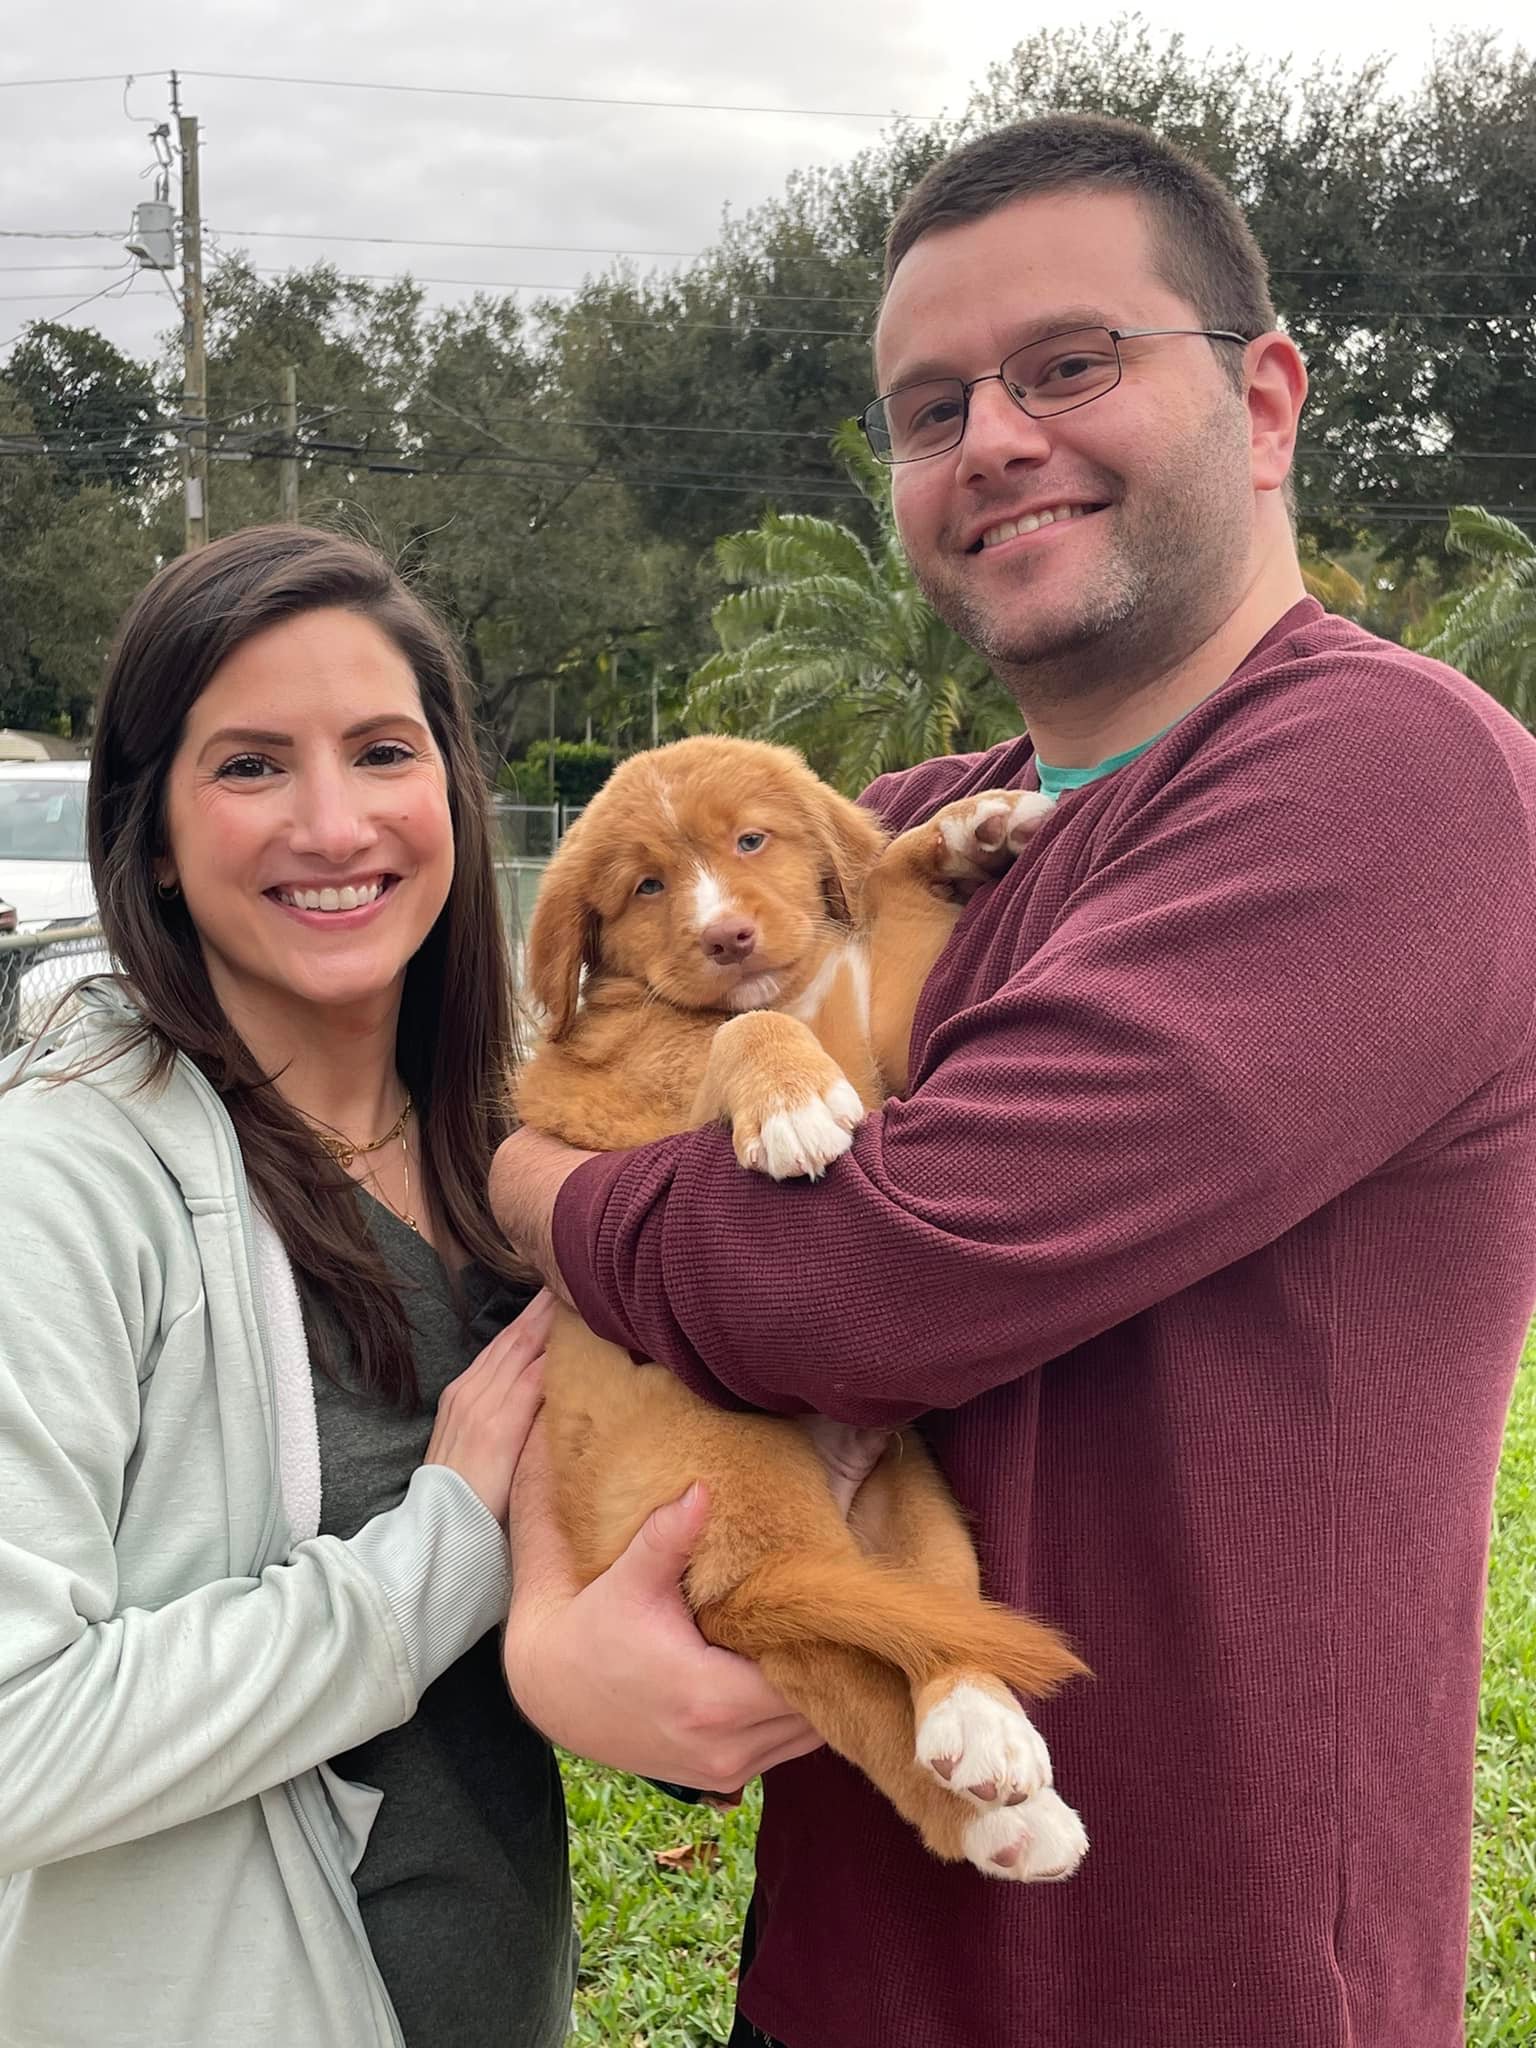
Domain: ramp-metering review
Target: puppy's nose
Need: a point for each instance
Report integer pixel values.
(728, 940)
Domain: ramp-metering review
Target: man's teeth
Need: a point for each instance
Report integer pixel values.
(331, 899)
(995, 535)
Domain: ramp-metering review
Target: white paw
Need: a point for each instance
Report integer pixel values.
(989, 830)
(985, 1748)
(1040, 1842)
(801, 1140)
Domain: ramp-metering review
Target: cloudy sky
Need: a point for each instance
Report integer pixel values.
(337, 166)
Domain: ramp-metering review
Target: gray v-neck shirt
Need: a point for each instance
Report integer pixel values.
(463, 1887)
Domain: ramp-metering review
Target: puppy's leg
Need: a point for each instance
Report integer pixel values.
(914, 898)
(969, 1730)
(791, 1108)
(864, 1710)
(969, 841)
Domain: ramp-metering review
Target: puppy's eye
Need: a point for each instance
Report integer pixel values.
(751, 842)
(650, 885)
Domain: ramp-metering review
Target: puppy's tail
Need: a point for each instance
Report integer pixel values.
(921, 1628)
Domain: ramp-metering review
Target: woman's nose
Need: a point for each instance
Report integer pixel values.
(330, 818)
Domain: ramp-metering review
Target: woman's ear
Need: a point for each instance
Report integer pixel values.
(562, 938)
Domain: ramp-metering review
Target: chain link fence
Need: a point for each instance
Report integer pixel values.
(38, 970)
(532, 831)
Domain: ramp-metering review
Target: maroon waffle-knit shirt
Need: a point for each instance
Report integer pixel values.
(1204, 1244)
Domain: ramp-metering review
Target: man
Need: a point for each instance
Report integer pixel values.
(1204, 1240)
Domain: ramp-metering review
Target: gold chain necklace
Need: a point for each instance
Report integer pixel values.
(344, 1151)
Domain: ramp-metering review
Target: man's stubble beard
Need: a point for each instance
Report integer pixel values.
(1180, 547)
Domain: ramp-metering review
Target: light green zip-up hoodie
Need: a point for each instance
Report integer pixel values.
(179, 1651)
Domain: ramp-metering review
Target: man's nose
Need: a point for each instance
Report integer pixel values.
(999, 433)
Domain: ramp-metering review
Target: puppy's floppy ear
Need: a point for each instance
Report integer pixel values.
(562, 938)
(852, 841)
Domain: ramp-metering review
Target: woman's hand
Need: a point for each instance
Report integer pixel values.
(616, 1670)
(484, 1416)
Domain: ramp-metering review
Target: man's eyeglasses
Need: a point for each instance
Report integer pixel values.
(1056, 374)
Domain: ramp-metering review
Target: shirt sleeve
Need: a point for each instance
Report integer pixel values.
(120, 1719)
(1276, 972)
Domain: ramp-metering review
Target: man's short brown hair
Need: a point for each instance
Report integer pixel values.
(1203, 249)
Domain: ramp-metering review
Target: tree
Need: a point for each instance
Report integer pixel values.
(1396, 223)
(1489, 631)
(441, 437)
(827, 644)
(70, 560)
(94, 409)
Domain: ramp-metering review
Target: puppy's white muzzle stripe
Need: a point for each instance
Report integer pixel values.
(709, 898)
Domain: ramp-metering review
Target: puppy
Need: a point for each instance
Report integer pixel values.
(723, 937)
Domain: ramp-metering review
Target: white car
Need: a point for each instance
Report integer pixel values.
(45, 875)
(43, 869)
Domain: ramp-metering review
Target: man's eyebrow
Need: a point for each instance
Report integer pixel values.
(1060, 320)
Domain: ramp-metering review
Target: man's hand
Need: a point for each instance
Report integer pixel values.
(616, 1670)
(527, 1174)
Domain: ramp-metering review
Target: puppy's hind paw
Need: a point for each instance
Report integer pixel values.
(984, 1747)
(1040, 1842)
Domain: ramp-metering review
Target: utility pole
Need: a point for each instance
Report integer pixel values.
(288, 465)
(655, 713)
(194, 398)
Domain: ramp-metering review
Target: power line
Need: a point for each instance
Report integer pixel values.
(95, 78)
(61, 234)
(522, 284)
(126, 275)
(1328, 313)
(428, 242)
(1306, 270)
(558, 99)
(63, 269)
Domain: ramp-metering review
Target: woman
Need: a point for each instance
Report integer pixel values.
(252, 1504)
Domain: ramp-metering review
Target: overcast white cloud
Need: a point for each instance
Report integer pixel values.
(340, 164)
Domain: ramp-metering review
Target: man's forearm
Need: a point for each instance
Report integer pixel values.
(527, 1174)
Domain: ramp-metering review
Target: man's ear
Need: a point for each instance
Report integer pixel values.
(1275, 389)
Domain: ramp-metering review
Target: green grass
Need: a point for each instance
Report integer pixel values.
(1501, 1988)
(660, 1944)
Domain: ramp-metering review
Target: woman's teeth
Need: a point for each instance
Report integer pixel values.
(330, 899)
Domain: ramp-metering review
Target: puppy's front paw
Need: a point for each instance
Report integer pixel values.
(790, 1107)
(981, 835)
(1040, 1842)
(798, 1136)
(983, 1747)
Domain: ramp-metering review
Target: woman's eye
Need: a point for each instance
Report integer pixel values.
(388, 754)
(246, 768)
(650, 885)
(751, 842)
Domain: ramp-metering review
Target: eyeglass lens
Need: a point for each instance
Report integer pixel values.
(1047, 376)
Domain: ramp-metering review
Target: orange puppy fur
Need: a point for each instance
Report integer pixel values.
(724, 937)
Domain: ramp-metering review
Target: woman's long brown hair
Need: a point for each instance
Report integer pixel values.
(456, 1037)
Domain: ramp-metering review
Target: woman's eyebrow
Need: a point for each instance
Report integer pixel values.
(250, 736)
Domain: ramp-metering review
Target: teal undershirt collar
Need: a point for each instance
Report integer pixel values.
(1056, 782)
